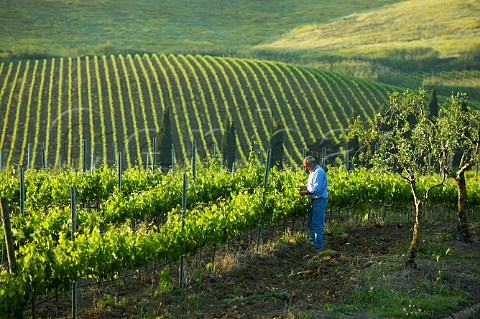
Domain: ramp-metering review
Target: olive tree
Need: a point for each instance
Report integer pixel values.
(461, 138)
(403, 139)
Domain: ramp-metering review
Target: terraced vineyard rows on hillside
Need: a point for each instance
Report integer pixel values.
(67, 110)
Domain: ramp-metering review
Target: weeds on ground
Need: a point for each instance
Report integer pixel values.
(385, 288)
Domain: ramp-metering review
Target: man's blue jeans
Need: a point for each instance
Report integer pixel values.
(316, 221)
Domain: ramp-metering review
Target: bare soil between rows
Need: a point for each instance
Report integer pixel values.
(285, 279)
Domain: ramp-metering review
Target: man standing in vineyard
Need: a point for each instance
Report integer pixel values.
(317, 192)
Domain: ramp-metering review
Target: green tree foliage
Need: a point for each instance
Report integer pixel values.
(461, 138)
(164, 141)
(404, 137)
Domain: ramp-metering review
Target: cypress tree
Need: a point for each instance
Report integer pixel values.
(164, 142)
(353, 145)
(276, 144)
(229, 144)
(433, 105)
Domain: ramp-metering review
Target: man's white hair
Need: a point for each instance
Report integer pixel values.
(310, 159)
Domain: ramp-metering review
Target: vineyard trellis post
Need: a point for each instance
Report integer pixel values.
(8, 235)
(347, 160)
(265, 181)
(154, 152)
(194, 159)
(84, 155)
(74, 229)
(119, 171)
(324, 156)
(114, 153)
(29, 154)
(92, 162)
(44, 156)
(184, 213)
(22, 191)
(7, 230)
(64, 152)
(147, 165)
(173, 159)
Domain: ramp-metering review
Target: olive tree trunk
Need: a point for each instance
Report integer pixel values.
(413, 248)
(462, 223)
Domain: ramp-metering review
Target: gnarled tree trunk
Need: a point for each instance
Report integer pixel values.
(462, 224)
(412, 249)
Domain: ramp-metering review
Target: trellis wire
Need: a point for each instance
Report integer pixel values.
(85, 151)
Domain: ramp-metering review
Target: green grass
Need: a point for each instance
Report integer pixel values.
(71, 28)
(397, 304)
(385, 288)
(414, 29)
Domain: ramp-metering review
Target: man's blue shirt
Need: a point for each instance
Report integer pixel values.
(317, 183)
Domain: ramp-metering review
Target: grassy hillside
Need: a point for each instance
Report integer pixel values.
(89, 27)
(428, 43)
(442, 28)
(51, 108)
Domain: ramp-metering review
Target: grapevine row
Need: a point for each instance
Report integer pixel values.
(172, 103)
(194, 105)
(38, 109)
(280, 113)
(204, 103)
(245, 106)
(317, 104)
(136, 88)
(49, 259)
(227, 106)
(101, 111)
(110, 99)
(213, 98)
(121, 107)
(29, 107)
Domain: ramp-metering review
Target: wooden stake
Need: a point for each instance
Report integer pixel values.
(8, 235)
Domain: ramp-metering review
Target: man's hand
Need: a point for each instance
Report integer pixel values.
(304, 192)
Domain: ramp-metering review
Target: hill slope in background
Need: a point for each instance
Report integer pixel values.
(449, 28)
(52, 108)
(71, 28)
(425, 43)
